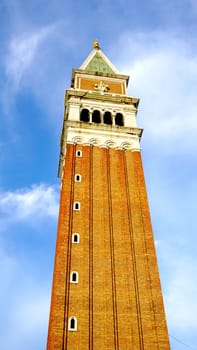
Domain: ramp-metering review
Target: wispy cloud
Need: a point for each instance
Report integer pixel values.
(22, 52)
(34, 65)
(26, 264)
(164, 70)
(25, 204)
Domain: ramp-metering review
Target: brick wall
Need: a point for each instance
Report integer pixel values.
(118, 300)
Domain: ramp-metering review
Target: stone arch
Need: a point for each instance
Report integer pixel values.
(119, 119)
(126, 145)
(96, 116)
(107, 118)
(110, 143)
(85, 115)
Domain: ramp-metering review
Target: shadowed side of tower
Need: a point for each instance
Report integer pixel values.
(106, 290)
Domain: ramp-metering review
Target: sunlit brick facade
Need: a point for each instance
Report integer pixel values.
(106, 292)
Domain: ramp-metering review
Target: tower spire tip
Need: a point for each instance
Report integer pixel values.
(96, 44)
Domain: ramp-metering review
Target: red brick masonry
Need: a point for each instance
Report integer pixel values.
(118, 300)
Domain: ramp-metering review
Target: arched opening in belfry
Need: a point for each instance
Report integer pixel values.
(84, 115)
(96, 117)
(107, 118)
(119, 119)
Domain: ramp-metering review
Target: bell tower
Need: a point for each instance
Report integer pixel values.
(106, 291)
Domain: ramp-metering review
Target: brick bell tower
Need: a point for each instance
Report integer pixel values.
(106, 292)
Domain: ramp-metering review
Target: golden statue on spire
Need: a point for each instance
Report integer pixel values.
(96, 44)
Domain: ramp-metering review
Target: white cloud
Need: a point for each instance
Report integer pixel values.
(26, 265)
(164, 73)
(22, 52)
(27, 203)
(34, 65)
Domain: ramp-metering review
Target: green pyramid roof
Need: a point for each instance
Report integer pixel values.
(98, 64)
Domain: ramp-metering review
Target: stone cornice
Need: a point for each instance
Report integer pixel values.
(104, 128)
(100, 74)
(101, 135)
(101, 96)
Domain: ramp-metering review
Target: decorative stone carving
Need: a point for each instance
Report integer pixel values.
(77, 139)
(110, 143)
(105, 142)
(94, 141)
(126, 145)
(101, 87)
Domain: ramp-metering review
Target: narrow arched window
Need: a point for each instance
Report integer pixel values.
(107, 118)
(96, 117)
(74, 277)
(72, 323)
(76, 206)
(75, 238)
(119, 119)
(85, 115)
(77, 178)
(78, 153)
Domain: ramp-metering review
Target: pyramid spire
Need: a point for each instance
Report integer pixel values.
(98, 62)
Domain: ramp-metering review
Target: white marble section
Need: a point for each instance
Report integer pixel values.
(75, 105)
(102, 139)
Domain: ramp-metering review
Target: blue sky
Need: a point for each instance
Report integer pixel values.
(41, 41)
